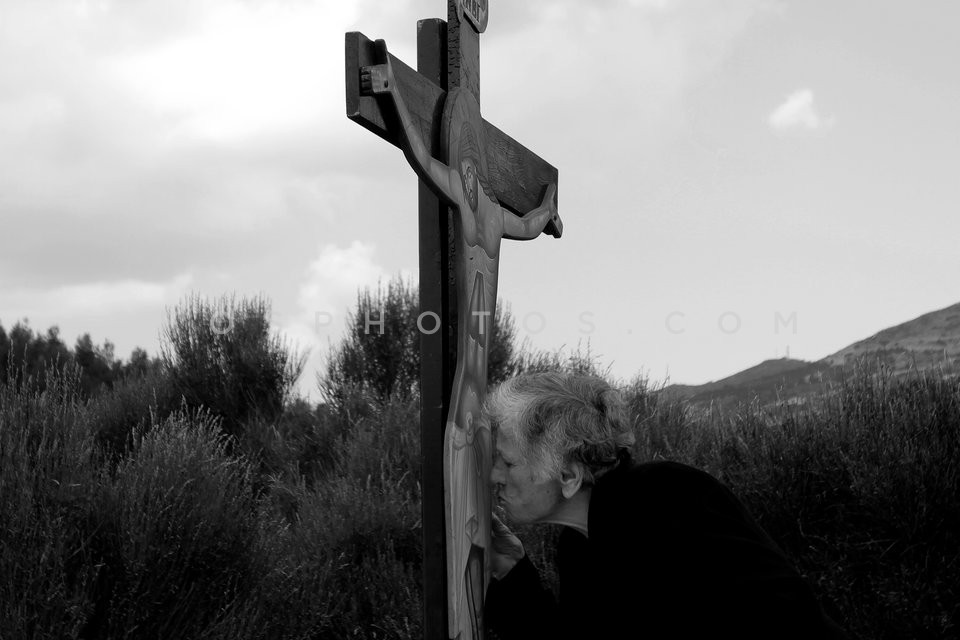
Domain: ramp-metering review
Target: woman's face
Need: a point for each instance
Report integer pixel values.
(516, 488)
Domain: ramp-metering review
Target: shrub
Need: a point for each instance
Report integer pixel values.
(343, 546)
(369, 534)
(383, 361)
(221, 355)
(178, 533)
(134, 403)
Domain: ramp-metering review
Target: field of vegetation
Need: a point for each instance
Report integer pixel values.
(193, 496)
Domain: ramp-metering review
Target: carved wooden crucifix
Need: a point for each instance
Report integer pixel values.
(477, 186)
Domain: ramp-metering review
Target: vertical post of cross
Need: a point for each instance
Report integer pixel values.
(463, 52)
(437, 348)
(448, 54)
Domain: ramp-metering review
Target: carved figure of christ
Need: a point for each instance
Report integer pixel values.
(482, 224)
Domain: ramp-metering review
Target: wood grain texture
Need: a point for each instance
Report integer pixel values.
(518, 175)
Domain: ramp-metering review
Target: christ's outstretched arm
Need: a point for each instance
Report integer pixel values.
(536, 221)
(378, 80)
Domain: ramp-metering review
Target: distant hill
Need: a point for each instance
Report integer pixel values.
(927, 341)
(760, 373)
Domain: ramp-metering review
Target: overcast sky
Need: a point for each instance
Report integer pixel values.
(737, 177)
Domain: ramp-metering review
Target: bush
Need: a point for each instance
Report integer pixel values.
(383, 361)
(221, 355)
(353, 549)
(134, 403)
(158, 547)
(344, 545)
(177, 536)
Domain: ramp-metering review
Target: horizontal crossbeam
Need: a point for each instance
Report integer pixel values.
(517, 175)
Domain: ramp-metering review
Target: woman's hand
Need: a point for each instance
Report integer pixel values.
(378, 79)
(506, 549)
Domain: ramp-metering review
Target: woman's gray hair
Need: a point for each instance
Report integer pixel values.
(556, 418)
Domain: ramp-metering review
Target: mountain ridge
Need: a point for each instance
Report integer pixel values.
(929, 340)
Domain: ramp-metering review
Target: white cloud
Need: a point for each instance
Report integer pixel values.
(658, 5)
(335, 276)
(249, 69)
(327, 292)
(672, 46)
(798, 112)
(208, 115)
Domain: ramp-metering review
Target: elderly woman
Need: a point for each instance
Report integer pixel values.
(653, 550)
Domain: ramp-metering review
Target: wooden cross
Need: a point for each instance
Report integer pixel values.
(477, 186)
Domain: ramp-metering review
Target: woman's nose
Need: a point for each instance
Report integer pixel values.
(496, 473)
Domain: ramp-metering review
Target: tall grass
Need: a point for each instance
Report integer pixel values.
(119, 519)
(48, 476)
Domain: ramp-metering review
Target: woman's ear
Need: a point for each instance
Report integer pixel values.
(571, 479)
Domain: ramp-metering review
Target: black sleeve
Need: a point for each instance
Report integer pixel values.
(518, 607)
(700, 565)
(758, 591)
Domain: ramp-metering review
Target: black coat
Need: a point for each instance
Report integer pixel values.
(672, 553)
